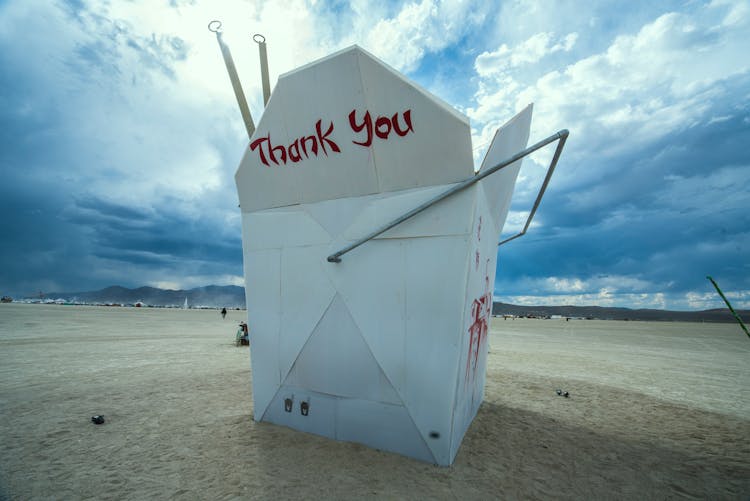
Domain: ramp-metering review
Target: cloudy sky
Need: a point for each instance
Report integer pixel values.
(120, 136)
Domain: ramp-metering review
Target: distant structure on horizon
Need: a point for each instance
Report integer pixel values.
(211, 296)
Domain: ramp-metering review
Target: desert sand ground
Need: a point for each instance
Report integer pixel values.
(656, 410)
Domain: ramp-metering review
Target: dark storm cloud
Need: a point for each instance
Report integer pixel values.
(156, 235)
(668, 215)
(67, 231)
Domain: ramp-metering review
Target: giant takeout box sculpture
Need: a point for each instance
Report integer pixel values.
(388, 346)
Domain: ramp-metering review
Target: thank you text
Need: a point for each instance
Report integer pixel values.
(364, 129)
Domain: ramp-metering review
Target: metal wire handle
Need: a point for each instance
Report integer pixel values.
(560, 136)
(550, 170)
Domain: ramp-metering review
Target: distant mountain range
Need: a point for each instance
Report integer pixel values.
(607, 313)
(232, 296)
(211, 296)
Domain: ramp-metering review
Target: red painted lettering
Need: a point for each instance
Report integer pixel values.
(323, 138)
(293, 149)
(407, 120)
(269, 152)
(383, 126)
(281, 151)
(359, 127)
(380, 123)
(309, 145)
(481, 311)
(314, 146)
(258, 144)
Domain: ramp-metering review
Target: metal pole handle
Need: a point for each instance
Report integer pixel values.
(561, 136)
(261, 41)
(247, 118)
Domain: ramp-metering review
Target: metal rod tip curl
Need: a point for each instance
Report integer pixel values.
(214, 26)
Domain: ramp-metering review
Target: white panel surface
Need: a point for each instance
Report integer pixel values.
(271, 229)
(373, 288)
(312, 102)
(329, 91)
(259, 185)
(509, 140)
(365, 128)
(476, 322)
(335, 216)
(262, 269)
(422, 157)
(451, 216)
(382, 426)
(336, 360)
(321, 416)
(306, 293)
(433, 334)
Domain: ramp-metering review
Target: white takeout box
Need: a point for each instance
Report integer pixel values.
(387, 347)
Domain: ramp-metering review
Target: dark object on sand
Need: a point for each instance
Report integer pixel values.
(562, 393)
(97, 419)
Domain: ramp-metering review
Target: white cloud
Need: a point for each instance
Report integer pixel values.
(193, 281)
(120, 108)
(738, 13)
(404, 39)
(602, 286)
(529, 51)
(603, 297)
(688, 193)
(565, 284)
(515, 223)
(659, 80)
(420, 28)
(717, 120)
(710, 300)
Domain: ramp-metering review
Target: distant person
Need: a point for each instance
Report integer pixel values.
(223, 312)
